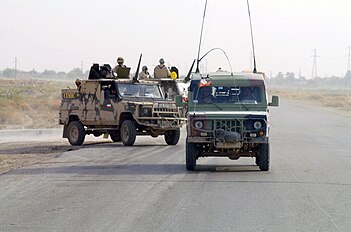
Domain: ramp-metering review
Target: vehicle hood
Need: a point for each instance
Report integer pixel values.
(227, 114)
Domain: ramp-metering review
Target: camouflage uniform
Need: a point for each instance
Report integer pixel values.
(161, 71)
(120, 62)
(144, 74)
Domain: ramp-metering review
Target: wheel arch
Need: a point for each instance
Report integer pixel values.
(125, 116)
(71, 118)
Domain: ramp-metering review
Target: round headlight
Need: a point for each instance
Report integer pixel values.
(198, 124)
(145, 111)
(257, 125)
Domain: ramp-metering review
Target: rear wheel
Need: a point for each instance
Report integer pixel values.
(263, 157)
(76, 133)
(172, 137)
(115, 136)
(128, 133)
(191, 154)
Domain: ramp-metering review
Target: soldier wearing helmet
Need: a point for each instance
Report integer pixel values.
(120, 64)
(161, 71)
(78, 84)
(144, 74)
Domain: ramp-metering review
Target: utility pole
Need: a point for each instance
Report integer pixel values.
(81, 67)
(314, 65)
(16, 61)
(349, 59)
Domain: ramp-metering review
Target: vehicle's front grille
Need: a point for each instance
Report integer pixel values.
(230, 125)
(165, 110)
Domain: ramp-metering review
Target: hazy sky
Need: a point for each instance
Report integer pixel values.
(59, 35)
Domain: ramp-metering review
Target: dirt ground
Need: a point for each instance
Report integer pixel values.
(20, 154)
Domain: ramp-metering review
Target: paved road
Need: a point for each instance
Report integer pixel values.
(108, 187)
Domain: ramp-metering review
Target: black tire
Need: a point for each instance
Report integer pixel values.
(172, 137)
(115, 136)
(257, 160)
(191, 154)
(128, 133)
(75, 133)
(263, 153)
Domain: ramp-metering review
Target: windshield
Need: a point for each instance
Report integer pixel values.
(139, 90)
(228, 94)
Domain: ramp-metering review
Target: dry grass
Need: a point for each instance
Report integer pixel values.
(330, 98)
(30, 103)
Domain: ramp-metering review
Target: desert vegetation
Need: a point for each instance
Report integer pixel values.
(339, 99)
(30, 103)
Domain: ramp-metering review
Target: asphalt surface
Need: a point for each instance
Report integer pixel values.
(108, 187)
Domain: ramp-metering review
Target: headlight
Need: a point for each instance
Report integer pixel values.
(145, 112)
(199, 124)
(257, 125)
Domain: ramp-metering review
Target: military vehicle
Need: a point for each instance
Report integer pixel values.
(121, 107)
(228, 117)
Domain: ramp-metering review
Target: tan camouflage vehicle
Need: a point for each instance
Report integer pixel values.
(121, 108)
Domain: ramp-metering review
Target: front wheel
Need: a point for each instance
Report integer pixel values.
(191, 154)
(76, 133)
(172, 137)
(263, 157)
(128, 133)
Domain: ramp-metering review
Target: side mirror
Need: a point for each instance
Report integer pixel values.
(179, 100)
(275, 101)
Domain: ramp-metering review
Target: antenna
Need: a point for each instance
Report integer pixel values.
(252, 39)
(202, 28)
(225, 54)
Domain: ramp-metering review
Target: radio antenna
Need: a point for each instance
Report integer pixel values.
(202, 28)
(252, 39)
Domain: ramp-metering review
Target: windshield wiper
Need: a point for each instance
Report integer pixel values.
(217, 105)
(242, 104)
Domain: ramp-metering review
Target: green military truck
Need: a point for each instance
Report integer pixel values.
(228, 117)
(121, 108)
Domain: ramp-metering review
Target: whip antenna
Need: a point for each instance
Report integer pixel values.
(202, 28)
(252, 39)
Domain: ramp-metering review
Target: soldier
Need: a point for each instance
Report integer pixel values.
(144, 74)
(161, 71)
(78, 84)
(120, 62)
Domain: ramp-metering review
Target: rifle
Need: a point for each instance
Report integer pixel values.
(135, 78)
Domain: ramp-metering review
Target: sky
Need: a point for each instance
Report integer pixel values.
(60, 35)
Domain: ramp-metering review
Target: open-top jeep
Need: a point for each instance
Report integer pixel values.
(121, 108)
(228, 117)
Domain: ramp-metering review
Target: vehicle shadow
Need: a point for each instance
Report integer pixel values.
(123, 169)
(112, 144)
(133, 169)
(227, 168)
